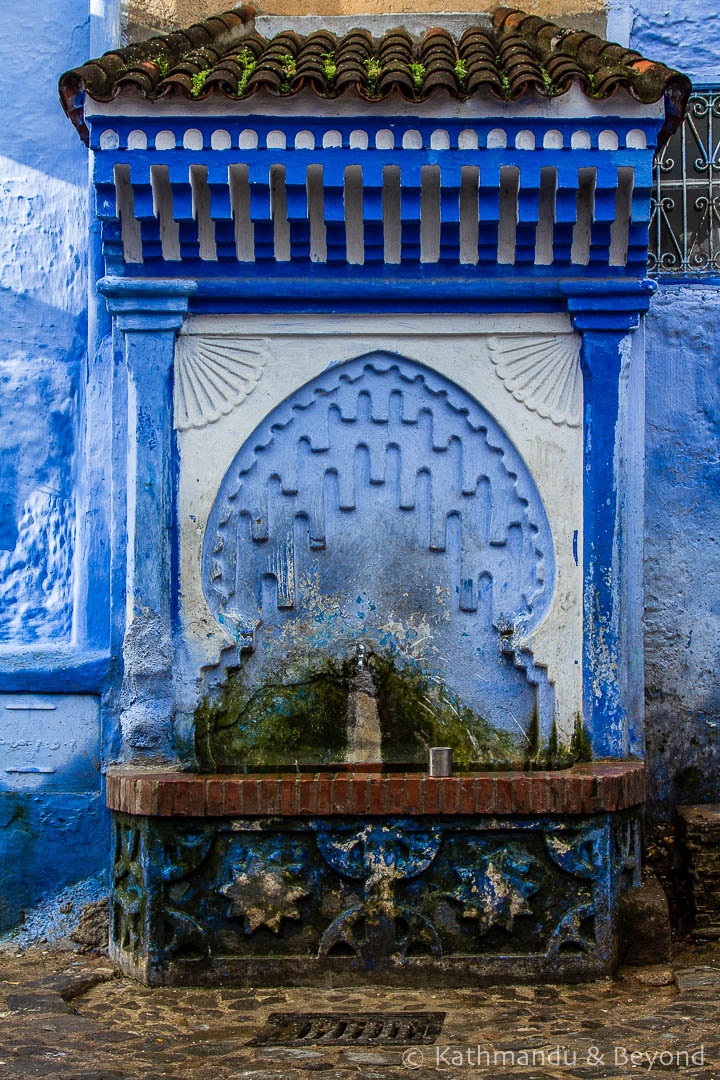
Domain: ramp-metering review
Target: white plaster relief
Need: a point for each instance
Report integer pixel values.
(302, 346)
(497, 139)
(109, 139)
(573, 104)
(636, 140)
(525, 140)
(214, 374)
(543, 372)
(193, 139)
(137, 140)
(412, 140)
(220, 139)
(332, 140)
(165, 140)
(608, 140)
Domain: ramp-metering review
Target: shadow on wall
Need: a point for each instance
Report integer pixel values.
(33, 326)
(682, 547)
(35, 130)
(37, 502)
(44, 238)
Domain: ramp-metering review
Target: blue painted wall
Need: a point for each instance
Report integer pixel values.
(52, 825)
(682, 544)
(52, 822)
(682, 508)
(43, 314)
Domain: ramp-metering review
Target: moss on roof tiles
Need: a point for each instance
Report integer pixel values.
(524, 54)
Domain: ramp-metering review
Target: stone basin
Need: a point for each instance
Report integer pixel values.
(335, 878)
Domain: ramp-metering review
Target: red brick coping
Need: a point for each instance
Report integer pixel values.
(583, 789)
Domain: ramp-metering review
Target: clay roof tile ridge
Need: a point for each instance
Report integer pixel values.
(522, 54)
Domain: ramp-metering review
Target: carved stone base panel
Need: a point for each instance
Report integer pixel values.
(433, 901)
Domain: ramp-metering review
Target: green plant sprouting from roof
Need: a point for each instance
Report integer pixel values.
(417, 71)
(549, 84)
(373, 67)
(287, 66)
(461, 72)
(329, 66)
(163, 64)
(248, 63)
(507, 89)
(198, 81)
(593, 85)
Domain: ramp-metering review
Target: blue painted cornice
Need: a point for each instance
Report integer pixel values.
(160, 303)
(607, 306)
(322, 196)
(160, 306)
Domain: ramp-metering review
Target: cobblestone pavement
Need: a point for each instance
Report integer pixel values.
(67, 1016)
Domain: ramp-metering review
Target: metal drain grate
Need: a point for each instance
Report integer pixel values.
(350, 1029)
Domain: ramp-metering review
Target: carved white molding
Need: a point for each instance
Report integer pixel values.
(213, 374)
(543, 372)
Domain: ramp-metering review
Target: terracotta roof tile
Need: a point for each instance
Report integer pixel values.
(523, 54)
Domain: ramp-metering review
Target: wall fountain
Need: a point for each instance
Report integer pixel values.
(378, 422)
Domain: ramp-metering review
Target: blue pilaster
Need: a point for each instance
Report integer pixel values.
(149, 322)
(604, 315)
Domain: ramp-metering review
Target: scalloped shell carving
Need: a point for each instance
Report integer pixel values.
(543, 372)
(214, 373)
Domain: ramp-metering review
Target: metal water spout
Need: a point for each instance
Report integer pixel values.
(363, 722)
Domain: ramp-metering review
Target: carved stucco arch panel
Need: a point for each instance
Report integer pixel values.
(382, 502)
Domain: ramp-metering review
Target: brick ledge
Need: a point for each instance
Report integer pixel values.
(583, 789)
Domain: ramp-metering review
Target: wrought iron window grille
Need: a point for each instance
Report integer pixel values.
(685, 204)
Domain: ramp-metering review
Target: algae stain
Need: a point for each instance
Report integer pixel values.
(417, 711)
(580, 746)
(304, 719)
(279, 723)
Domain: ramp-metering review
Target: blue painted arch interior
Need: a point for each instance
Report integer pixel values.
(382, 504)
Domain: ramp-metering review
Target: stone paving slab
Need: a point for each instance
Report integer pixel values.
(73, 1019)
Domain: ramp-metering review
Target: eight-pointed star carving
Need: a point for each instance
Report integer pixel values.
(264, 893)
(494, 892)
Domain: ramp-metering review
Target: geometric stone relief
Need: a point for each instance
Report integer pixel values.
(264, 892)
(543, 372)
(495, 887)
(579, 854)
(627, 848)
(213, 374)
(380, 856)
(373, 893)
(381, 503)
(129, 896)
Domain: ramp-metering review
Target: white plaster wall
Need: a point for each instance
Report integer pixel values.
(297, 349)
(573, 104)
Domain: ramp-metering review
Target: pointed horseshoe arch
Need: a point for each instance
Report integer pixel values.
(381, 501)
